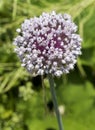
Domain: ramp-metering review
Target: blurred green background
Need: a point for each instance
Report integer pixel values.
(24, 104)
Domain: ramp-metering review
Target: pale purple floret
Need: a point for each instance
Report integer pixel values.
(48, 44)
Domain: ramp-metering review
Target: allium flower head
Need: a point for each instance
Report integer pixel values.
(48, 44)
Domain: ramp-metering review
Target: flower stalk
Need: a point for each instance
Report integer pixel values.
(54, 98)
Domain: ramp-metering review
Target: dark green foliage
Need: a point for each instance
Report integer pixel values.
(23, 105)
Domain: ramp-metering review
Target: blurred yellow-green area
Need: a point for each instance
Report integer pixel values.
(24, 103)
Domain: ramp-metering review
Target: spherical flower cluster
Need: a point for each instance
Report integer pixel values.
(48, 44)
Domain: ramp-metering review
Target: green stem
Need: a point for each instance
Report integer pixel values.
(54, 98)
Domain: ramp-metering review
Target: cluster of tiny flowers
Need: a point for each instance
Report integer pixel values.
(48, 44)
